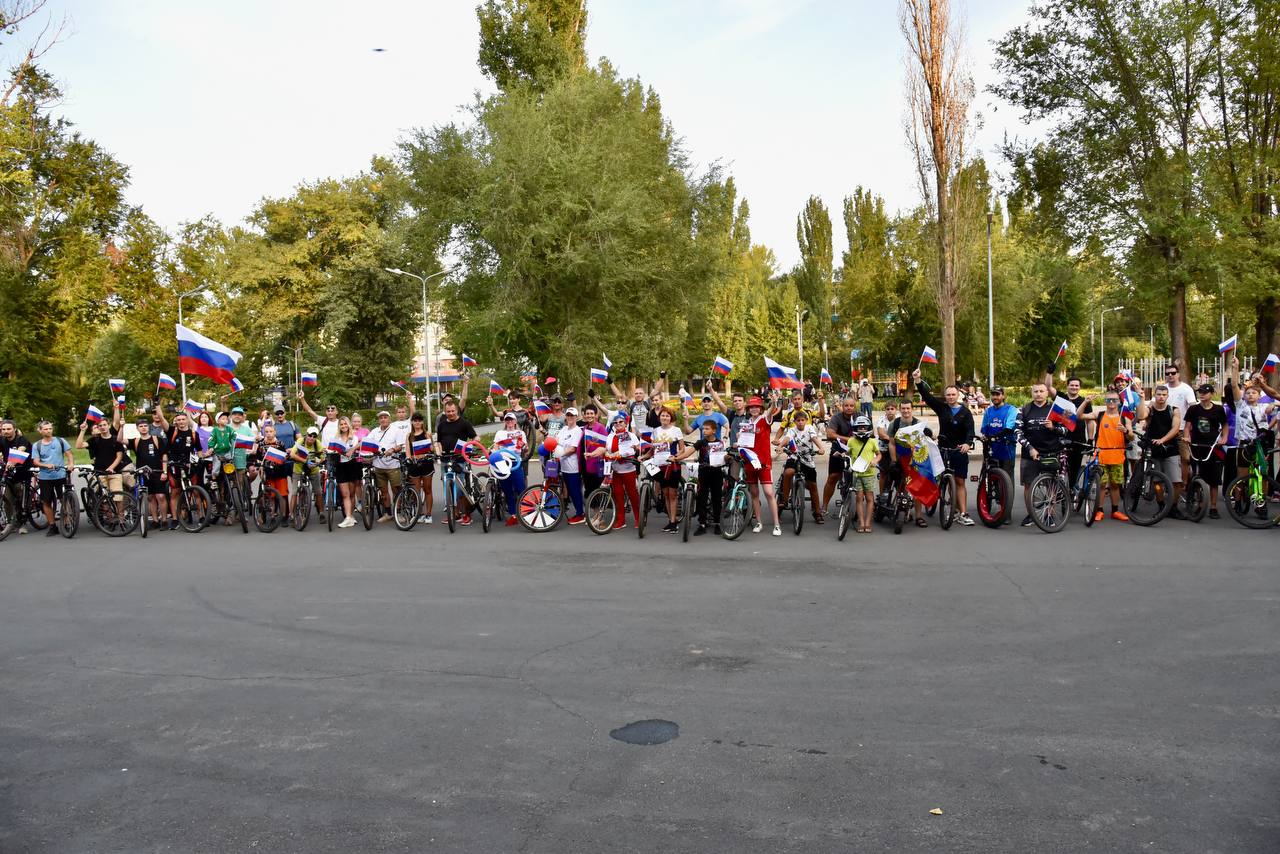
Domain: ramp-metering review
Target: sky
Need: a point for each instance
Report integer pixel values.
(214, 106)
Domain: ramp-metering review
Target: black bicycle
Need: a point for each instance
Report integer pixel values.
(193, 502)
(228, 501)
(995, 485)
(1148, 492)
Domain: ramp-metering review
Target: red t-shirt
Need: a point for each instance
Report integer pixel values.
(753, 433)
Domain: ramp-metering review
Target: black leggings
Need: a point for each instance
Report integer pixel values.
(710, 486)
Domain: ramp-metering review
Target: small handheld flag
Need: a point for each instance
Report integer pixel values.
(540, 407)
(18, 456)
(193, 407)
(825, 378)
(421, 446)
(494, 388)
(792, 447)
(300, 452)
(780, 376)
(166, 383)
(117, 386)
(369, 446)
(592, 439)
(1228, 345)
(685, 397)
(749, 456)
(1269, 366)
(308, 379)
(608, 365)
(468, 362)
(120, 401)
(399, 385)
(336, 446)
(722, 366)
(598, 375)
(244, 443)
(94, 415)
(275, 456)
(929, 355)
(1129, 401)
(1063, 412)
(1061, 350)
(236, 385)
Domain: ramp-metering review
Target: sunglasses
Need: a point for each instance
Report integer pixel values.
(1170, 373)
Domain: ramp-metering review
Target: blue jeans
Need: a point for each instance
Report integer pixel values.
(573, 482)
(866, 409)
(511, 488)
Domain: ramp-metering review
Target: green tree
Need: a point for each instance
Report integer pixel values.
(531, 42)
(813, 276)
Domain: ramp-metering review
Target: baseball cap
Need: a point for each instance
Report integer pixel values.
(509, 414)
(279, 410)
(997, 389)
(572, 410)
(1205, 388)
(755, 401)
(239, 409)
(706, 398)
(1119, 378)
(313, 430)
(384, 412)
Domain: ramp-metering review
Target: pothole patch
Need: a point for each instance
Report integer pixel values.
(646, 733)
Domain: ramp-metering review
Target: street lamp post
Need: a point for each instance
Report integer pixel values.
(1102, 343)
(801, 314)
(991, 333)
(426, 323)
(181, 297)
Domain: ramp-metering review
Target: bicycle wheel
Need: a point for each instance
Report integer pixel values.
(539, 509)
(193, 509)
(330, 502)
(1092, 494)
(733, 519)
(239, 509)
(901, 509)
(450, 490)
(369, 505)
(946, 501)
(646, 498)
(1251, 506)
(602, 511)
(35, 514)
(266, 510)
(302, 507)
(68, 514)
(994, 491)
(117, 513)
(797, 502)
(405, 510)
(144, 511)
(846, 514)
(8, 518)
(1050, 502)
(487, 488)
(686, 513)
(1148, 497)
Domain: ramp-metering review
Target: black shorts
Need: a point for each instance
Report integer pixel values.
(669, 477)
(350, 472)
(809, 473)
(51, 489)
(959, 463)
(837, 465)
(158, 484)
(422, 468)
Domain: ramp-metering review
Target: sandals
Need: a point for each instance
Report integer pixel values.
(921, 523)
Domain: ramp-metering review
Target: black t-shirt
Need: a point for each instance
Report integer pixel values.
(18, 441)
(148, 452)
(705, 448)
(1159, 423)
(103, 450)
(181, 444)
(450, 432)
(1037, 430)
(841, 424)
(1206, 424)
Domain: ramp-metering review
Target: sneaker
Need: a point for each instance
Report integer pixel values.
(965, 519)
(622, 523)
(511, 522)
(347, 523)
(427, 520)
(1119, 516)
(424, 520)
(464, 519)
(756, 527)
(173, 524)
(777, 531)
(670, 528)
(1213, 513)
(1097, 515)
(576, 520)
(1027, 521)
(22, 530)
(701, 529)
(52, 532)
(385, 518)
(715, 529)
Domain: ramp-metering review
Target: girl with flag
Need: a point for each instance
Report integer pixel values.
(342, 450)
(275, 463)
(753, 435)
(668, 442)
(422, 464)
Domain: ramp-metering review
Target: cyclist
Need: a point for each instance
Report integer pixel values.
(798, 405)
(52, 458)
(569, 452)
(1181, 397)
(1083, 431)
(1113, 435)
(621, 448)
(183, 445)
(106, 452)
(246, 465)
(1039, 437)
(955, 428)
(1163, 427)
(511, 437)
(1251, 423)
(221, 443)
(668, 442)
(1205, 431)
(422, 464)
(753, 435)
(151, 451)
(592, 467)
(307, 454)
(386, 468)
(710, 449)
(801, 439)
(347, 467)
(204, 432)
(1000, 424)
(452, 430)
(839, 427)
(882, 438)
(328, 424)
(906, 418)
(275, 475)
(643, 403)
(709, 413)
(864, 459)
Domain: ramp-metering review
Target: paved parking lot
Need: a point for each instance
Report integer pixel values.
(1112, 689)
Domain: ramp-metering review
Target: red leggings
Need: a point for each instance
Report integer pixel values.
(624, 486)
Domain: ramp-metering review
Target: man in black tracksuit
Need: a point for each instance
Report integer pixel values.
(955, 437)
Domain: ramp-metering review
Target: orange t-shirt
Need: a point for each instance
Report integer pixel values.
(1111, 440)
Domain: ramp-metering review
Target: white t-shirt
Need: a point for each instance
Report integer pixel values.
(662, 439)
(567, 442)
(328, 429)
(622, 447)
(804, 440)
(513, 439)
(392, 437)
(1249, 420)
(1182, 396)
(883, 424)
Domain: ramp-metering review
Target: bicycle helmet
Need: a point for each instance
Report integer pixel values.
(862, 427)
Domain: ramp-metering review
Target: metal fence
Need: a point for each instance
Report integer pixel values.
(1151, 370)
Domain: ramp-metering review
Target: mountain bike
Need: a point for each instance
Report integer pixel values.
(193, 502)
(458, 480)
(228, 501)
(113, 513)
(995, 486)
(1148, 492)
(142, 496)
(269, 508)
(303, 495)
(601, 508)
(1086, 493)
(407, 503)
(1253, 499)
(845, 515)
(895, 503)
(946, 503)
(795, 501)
(736, 513)
(1194, 501)
(687, 499)
(1049, 498)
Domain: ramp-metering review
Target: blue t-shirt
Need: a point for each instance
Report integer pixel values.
(286, 432)
(998, 418)
(54, 452)
(715, 417)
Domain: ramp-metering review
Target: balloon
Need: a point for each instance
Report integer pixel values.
(549, 444)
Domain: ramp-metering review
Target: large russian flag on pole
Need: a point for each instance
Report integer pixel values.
(780, 376)
(205, 357)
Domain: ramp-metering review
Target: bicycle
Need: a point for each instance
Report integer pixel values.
(687, 499)
(142, 495)
(995, 486)
(370, 508)
(227, 501)
(737, 503)
(946, 502)
(895, 503)
(1252, 498)
(114, 513)
(1147, 492)
(330, 485)
(1086, 493)
(193, 501)
(541, 506)
(1194, 501)
(269, 508)
(795, 501)
(649, 498)
(407, 503)
(1049, 498)
(601, 508)
(456, 465)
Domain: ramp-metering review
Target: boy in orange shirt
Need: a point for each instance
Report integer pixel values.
(1113, 436)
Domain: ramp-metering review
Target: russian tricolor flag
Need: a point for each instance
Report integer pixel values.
(18, 456)
(193, 407)
(825, 377)
(236, 385)
(369, 446)
(722, 366)
(94, 415)
(541, 408)
(1129, 402)
(592, 439)
(608, 365)
(685, 397)
(244, 443)
(301, 452)
(792, 448)
(929, 355)
(1063, 412)
(308, 379)
(275, 456)
(421, 446)
(780, 376)
(1228, 345)
(165, 383)
(117, 386)
(750, 457)
(205, 357)
(468, 362)
(1269, 366)
(1061, 351)
(598, 375)
(336, 446)
(494, 388)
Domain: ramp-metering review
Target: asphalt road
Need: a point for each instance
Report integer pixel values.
(1113, 689)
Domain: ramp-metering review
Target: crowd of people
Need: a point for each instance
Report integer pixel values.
(742, 431)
